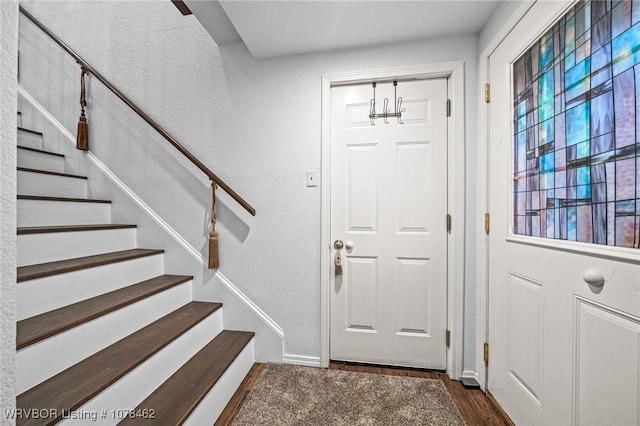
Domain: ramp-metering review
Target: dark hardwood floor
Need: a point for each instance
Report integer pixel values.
(476, 407)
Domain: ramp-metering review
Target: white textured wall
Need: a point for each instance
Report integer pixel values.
(8, 122)
(256, 123)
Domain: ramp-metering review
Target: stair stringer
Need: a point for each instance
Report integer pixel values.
(240, 313)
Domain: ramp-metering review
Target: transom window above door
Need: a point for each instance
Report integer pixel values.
(576, 99)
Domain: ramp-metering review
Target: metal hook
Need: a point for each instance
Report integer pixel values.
(399, 110)
(372, 108)
(372, 111)
(385, 110)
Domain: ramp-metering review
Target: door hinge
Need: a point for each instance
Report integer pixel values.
(487, 92)
(486, 354)
(448, 107)
(448, 338)
(449, 223)
(487, 223)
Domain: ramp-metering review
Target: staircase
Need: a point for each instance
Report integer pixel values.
(103, 334)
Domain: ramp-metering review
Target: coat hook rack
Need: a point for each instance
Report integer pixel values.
(386, 112)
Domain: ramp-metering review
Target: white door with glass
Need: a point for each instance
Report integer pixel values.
(564, 258)
(388, 217)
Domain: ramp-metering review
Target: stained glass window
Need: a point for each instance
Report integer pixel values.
(576, 136)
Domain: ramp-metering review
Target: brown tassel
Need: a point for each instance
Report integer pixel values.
(214, 261)
(82, 140)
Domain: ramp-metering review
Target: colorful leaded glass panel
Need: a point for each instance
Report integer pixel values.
(576, 136)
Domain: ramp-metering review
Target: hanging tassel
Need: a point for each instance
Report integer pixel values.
(214, 261)
(82, 140)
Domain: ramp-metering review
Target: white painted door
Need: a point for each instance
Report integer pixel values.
(389, 207)
(562, 351)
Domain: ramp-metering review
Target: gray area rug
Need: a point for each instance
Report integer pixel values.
(293, 395)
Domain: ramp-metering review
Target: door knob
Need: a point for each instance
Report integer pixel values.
(338, 244)
(593, 277)
(349, 246)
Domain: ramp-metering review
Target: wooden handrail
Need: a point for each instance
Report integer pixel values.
(212, 176)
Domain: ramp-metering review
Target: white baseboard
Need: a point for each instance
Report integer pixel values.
(307, 361)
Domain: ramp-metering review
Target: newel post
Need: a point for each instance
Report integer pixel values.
(214, 261)
(82, 141)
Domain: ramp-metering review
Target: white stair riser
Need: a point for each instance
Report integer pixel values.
(133, 388)
(46, 294)
(210, 408)
(29, 139)
(48, 357)
(52, 213)
(48, 247)
(41, 161)
(30, 183)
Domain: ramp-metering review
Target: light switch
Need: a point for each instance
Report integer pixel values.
(313, 177)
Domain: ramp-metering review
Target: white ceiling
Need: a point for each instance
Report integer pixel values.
(276, 28)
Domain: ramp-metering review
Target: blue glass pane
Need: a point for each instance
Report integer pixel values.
(570, 60)
(577, 79)
(547, 163)
(546, 50)
(582, 150)
(578, 124)
(570, 36)
(583, 175)
(522, 116)
(546, 96)
(584, 192)
(545, 132)
(626, 49)
(521, 152)
(571, 224)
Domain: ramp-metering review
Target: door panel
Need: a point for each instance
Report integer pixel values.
(414, 160)
(414, 296)
(362, 200)
(562, 351)
(361, 292)
(525, 325)
(389, 201)
(607, 345)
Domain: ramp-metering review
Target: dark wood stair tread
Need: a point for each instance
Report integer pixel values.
(26, 148)
(63, 199)
(35, 132)
(70, 389)
(46, 172)
(181, 393)
(47, 269)
(40, 327)
(25, 230)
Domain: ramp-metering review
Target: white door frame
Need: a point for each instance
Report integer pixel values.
(454, 71)
(482, 257)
